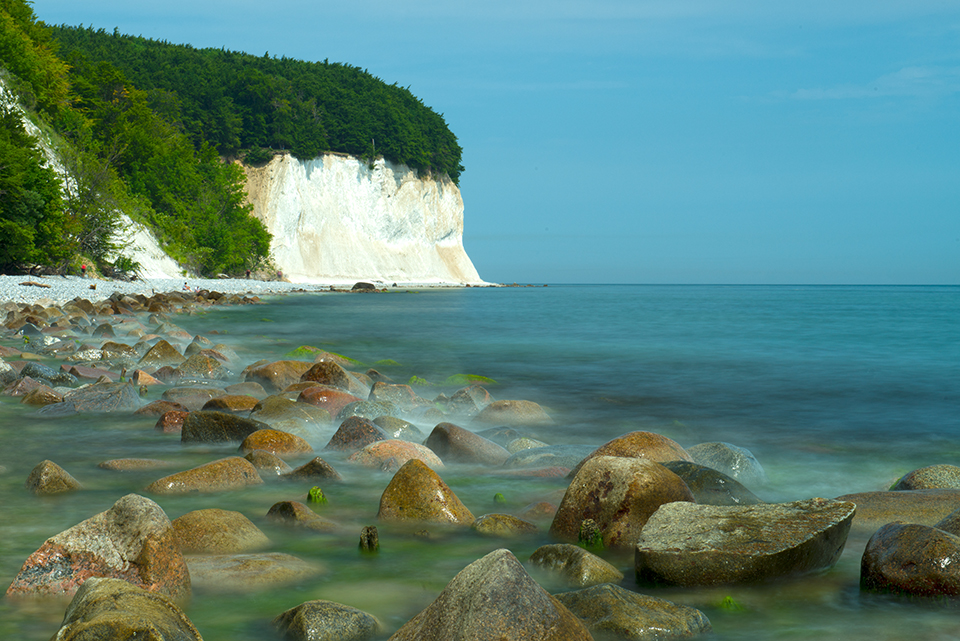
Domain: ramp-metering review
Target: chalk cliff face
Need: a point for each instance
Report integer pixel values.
(334, 219)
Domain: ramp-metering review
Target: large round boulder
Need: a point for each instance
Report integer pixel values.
(911, 559)
(932, 477)
(231, 473)
(646, 445)
(216, 531)
(452, 443)
(619, 494)
(133, 541)
(217, 427)
(418, 494)
(494, 598)
(393, 453)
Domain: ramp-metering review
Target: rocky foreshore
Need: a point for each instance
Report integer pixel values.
(688, 516)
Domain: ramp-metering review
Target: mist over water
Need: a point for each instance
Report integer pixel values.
(834, 389)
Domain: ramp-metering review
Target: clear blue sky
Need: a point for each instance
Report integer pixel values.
(653, 141)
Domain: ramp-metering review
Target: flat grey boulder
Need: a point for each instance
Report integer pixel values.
(911, 559)
(319, 619)
(612, 612)
(105, 608)
(690, 545)
(572, 566)
(494, 598)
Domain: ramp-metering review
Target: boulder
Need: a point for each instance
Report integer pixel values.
(573, 566)
(163, 353)
(171, 422)
(216, 531)
(646, 445)
(328, 398)
(736, 462)
(711, 487)
(299, 515)
(401, 396)
(692, 545)
(161, 407)
(232, 403)
(391, 454)
(494, 598)
(202, 366)
(101, 397)
(911, 559)
(107, 608)
(276, 442)
(399, 428)
(568, 456)
(354, 434)
(230, 473)
(503, 525)
(277, 375)
(314, 470)
(333, 374)
(619, 494)
(133, 541)
(367, 409)
(218, 427)
(452, 443)
(49, 478)
(42, 395)
(267, 463)
(277, 408)
(316, 620)
(876, 509)
(133, 464)
(418, 494)
(933, 477)
(248, 572)
(513, 413)
(612, 612)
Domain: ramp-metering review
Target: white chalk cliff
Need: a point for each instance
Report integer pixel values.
(334, 219)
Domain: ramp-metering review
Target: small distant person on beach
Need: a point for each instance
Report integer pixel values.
(279, 275)
(186, 287)
(83, 270)
(248, 274)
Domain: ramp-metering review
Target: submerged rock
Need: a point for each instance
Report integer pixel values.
(494, 598)
(645, 445)
(277, 375)
(247, 572)
(736, 462)
(354, 434)
(296, 514)
(230, 473)
(876, 509)
(513, 413)
(573, 566)
(217, 427)
(711, 487)
(690, 545)
(216, 531)
(314, 470)
(503, 525)
(568, 456)
(452, 443)
(276, 442)
(106, 608)
(614, 612)
(393, 453)
(316, 620)
(268, 463)
(416, 493)
(133, 541)
(49, 478)
(619, 494)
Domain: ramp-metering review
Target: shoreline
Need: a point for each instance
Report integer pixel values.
(57, 290)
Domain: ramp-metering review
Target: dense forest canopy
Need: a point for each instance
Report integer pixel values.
(237, 101)
(143, 127)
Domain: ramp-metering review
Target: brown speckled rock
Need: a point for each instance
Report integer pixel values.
(42, 395)
(503, 525)
(647, 445)
(163, 353)
(133, 464)
(932, 477)
(105, 608)
(328, 398)
(217, 427)
(218, 476)
(296, 514)
(452, 443)
(355, 433)
(277, 408)
(617, 613)
(332, 374)
(313, 471)
(402, 396)
(216, 531)
(49, 478)
(202, 366)
(267, 463)
(876, 509)
(573, 566)
(233, 403)
(161, 407)
(911, 559)
(418, 494)
(539, 511)
(513, 413)
(277, 375)
(494, 598)
(171, 422)
(395, 453)
(133, 540)
(316, 620)
(690, 545)
(619, 494)
(275, 441)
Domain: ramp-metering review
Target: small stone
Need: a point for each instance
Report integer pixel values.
(296, 514)
(573, 566)
(49, 478)
(369, 540)
(318, 620)
(230, 473)
(267, 463)
(417, 493)
(503, 525)
(216, 531)
(513, 413)
(276, 442)
(314, 470)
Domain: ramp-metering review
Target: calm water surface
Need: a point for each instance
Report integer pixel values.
(834, 389)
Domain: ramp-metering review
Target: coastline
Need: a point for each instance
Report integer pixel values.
(57, 290)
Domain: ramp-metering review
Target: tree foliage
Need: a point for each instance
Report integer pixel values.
(237, 101)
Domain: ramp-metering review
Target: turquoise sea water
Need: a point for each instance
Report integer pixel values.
(834, 389)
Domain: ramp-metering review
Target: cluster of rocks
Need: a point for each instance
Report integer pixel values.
(686, 515)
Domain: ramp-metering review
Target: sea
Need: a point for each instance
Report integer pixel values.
(834, 389)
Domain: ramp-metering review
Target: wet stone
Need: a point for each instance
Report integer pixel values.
(690, 545)
(216, 531)
(355, 433)
(367, 409)
(711, 487)
(513, 413)
(249, 572)
(568, 456)
(316, 620)
(933, 477)
(503, 525)
(218, 476)
(296, 514)
(453, 443)
(573, 566)
(267, 463)
(876, 509)
(315, 470)
(645, 445)
(218, 427)
(911, 559)
(418, 494)
(394, 453)
(277, 375)
(171, 422)
(734, 461)
(397, 428)
(49, 478)
(276, 442)
(233, 403)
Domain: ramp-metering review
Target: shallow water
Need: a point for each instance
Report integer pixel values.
(834, 389)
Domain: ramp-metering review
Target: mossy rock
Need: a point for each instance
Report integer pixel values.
(461, 380)
(303, 350)
(416, 381)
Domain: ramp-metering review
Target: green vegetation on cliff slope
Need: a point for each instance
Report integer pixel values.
(236, 101)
